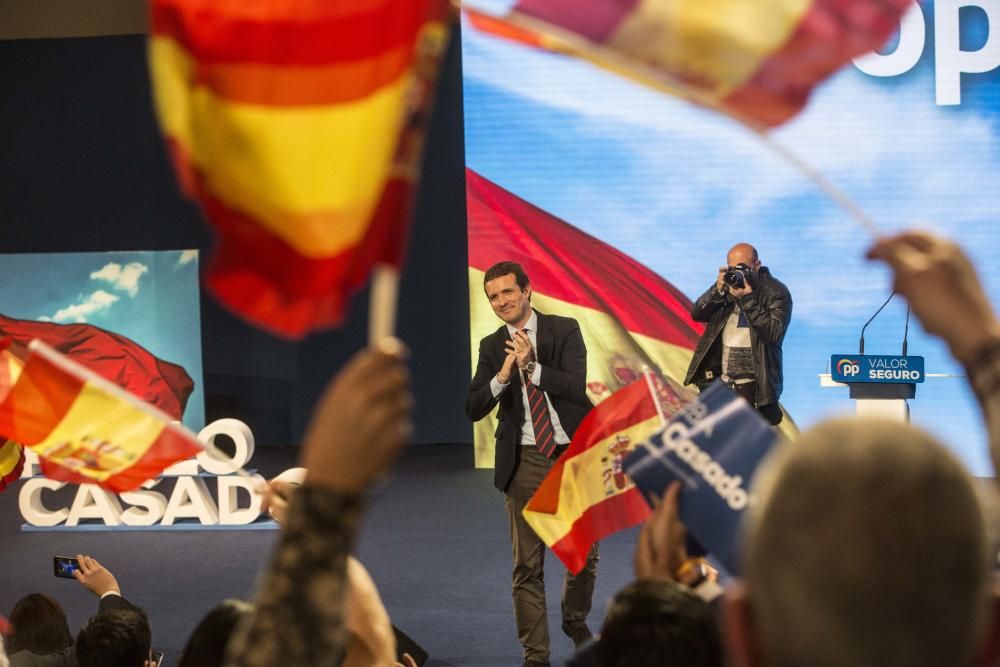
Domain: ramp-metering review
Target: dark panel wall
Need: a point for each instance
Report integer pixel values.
(82, 168)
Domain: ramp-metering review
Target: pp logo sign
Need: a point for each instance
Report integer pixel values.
(848, 368)
(950, 60)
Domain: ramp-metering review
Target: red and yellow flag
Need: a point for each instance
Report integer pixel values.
(11, 463)
(757, 61)
(11, 452)
(298, 127)
(83, 428)
(587, 496)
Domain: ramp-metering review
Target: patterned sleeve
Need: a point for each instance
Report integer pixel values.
(299, 616)
(984, 376)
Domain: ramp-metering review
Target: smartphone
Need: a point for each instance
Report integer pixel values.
(65, 567)
(156, 657)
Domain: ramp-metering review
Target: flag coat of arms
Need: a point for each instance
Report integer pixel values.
(587, 495)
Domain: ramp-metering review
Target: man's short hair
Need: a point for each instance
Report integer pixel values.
(118, 638)
(866, 547)
(657, 622)
(39, 625)
(503, 268)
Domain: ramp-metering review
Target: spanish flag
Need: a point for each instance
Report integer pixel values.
(757, 61)
(84, 428)
(11, 452)
(298, 126)
(587, 496)
(11, 463)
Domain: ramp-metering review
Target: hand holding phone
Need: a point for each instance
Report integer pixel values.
(95, 577)
(64, 567)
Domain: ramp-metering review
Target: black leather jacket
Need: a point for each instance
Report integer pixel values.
(768, 309)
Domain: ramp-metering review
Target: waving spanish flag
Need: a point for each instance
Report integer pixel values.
(84, 428)
(757, 61)
(298, 127)
(11, 463)
(587, 496)
(11, 452)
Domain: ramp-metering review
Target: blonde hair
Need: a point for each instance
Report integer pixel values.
(867, 547)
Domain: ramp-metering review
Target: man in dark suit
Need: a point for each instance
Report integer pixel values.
(534, 368)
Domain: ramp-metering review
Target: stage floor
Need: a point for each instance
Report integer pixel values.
(434, 539)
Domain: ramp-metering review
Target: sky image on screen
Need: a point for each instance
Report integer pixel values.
(674, 186)
(150, 297)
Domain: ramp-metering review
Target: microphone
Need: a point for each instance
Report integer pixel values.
(906, 330)
(861, 345)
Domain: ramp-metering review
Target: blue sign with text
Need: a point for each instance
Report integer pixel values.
(876, 368)
(713, 446)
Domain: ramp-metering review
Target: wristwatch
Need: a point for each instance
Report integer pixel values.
(529, 370)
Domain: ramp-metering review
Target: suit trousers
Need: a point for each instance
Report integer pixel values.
(529, 559)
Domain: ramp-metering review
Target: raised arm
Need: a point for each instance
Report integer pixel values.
(356, 429)
(945, 293)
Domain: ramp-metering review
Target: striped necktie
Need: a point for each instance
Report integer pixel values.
(541, 420)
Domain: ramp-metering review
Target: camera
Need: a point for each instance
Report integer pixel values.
(737, 276)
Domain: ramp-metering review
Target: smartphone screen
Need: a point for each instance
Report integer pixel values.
(65, 567)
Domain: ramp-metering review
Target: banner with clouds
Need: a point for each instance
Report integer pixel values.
(150, 297)
(674, 186)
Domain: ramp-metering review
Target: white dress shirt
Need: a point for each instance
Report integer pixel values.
(527, 429)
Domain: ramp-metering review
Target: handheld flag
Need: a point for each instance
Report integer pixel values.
(587, 495)
(714, 446)
(756, 61)
(84, 428)
(11, 463)
(298, 127)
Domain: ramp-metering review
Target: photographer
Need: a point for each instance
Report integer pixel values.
(747, 311)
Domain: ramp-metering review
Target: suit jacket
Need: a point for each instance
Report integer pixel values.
(563, 358)
(114, 602)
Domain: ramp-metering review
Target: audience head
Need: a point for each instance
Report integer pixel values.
(866, 546)
(118, 638)
(207, 645)
(39, 626)
(653, 622)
